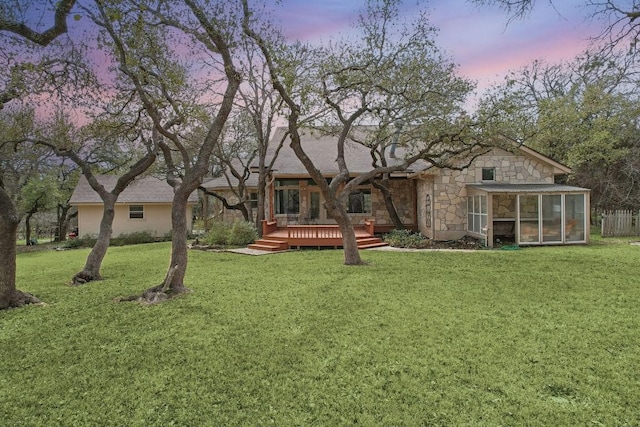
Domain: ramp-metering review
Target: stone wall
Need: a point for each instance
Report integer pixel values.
(504, 206)
(449, 199)
(402, 192)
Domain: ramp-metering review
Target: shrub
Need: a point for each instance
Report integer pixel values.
(218, 234)
(86, 241)
(72, 243)
(406, 239)
(242, 233)
(135, 238)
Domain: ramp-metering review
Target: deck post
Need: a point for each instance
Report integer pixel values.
(369, 226)
(269, 227)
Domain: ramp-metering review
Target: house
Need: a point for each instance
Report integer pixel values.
(145, 205)
(503, 196)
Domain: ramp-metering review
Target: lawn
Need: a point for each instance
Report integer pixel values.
(537, 337)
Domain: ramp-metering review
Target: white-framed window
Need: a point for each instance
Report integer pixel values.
(488, 174)
(136, 212)
(477, 214)
(552, 218)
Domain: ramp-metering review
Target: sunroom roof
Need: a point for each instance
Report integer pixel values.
(527, 188)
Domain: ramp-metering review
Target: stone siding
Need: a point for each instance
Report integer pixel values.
(449, 194)
(402, 192)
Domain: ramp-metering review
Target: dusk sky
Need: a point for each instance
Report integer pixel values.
(479, 39)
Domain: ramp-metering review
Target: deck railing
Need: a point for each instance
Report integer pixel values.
(313, 232)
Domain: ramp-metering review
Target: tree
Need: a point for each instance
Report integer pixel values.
(620, 24)
(261, 104)
(40, 194)
(208, 29)
(68, 173)
(234, 155)
(10, 296)
(390, 72)
(87, 147)
(584, 114)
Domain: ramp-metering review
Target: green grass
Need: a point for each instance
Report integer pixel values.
(538, 337)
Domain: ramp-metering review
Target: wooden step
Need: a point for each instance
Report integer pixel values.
(269, 245)
(263, 248)
(370, 242)
(373, 245)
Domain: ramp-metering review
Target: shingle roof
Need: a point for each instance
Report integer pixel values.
(147, 189)
(322, 150)
(221, 183)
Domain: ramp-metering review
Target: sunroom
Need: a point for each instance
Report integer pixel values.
(528, 214)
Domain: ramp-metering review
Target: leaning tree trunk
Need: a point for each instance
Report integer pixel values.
(383, 186)
(349, 242)
(9, 220)
(91, 270)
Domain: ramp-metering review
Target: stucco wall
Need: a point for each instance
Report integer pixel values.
(157, 220)
(448, 194)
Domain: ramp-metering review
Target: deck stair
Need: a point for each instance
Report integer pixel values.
(276, 238)
(269, 244)
(370, 242)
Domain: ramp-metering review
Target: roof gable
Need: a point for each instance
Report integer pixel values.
(558, 167)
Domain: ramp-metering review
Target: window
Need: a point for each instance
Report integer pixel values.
(136, 212)
(551, 208)
(287, 196)
(529, 206)
(488, 174)
(574, 217)
(477, 214)
(552, 218)
(253, 200)
(360, 201)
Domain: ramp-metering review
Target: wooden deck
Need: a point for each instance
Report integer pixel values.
(276, 238)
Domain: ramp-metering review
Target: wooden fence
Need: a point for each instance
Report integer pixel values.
(620, 223)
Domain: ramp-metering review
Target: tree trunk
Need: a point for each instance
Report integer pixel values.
(349, 242)
(63, 222)
(245, 212)
(9, 220)
(27, 228)
(91, 270)
(383, 186)
(174, 280)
